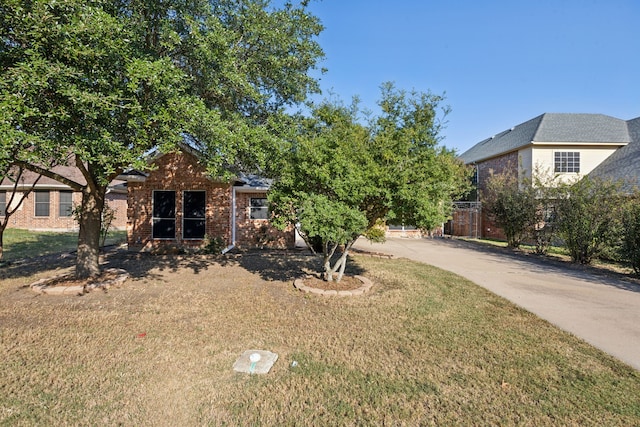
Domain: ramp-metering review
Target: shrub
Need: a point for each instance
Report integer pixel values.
(511, 205)
(630, 233)
(587, 217)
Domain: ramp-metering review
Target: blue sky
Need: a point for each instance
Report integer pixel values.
(499, 63)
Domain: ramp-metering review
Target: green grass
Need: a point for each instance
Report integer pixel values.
(552, 250)
(425, 347)
(21, 244)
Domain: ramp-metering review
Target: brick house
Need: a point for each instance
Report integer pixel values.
(177, 204)
(49, 206)
(568, 145)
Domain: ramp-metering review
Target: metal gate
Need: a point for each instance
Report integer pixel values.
(467, 219)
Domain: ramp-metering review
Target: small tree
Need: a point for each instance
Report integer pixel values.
(545, 225)
(511, 204)
(587, 215)
(342, 179)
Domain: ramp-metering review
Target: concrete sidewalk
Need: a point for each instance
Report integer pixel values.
(602, 310)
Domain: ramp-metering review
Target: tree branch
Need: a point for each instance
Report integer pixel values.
(49, 174)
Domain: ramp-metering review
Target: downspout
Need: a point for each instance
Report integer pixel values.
(233, 221)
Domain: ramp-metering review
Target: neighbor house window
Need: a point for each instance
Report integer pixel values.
(42, 203)
(259, 208)
(566, 161)
(193, 214)
(3, 203)
(65, 205)
(164, 215)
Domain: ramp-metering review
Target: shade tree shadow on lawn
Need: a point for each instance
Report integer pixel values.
(270, 265)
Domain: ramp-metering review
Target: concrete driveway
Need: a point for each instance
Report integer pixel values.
(601, 309)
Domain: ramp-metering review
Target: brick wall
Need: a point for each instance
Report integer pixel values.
(508, 163)
(177, 172)
(258, 232)
(25, 217)
(118, 202)
(181, 172)
(498, 165)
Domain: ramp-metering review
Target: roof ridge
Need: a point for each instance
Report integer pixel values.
(541, 118)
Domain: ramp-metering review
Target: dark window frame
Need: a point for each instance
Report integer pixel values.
(194, 217)
(160, 219)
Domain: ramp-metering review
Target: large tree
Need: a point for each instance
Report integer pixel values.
(98, 84)
(343, 178)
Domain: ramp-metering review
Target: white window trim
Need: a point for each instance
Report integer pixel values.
(567, 151)
(60, 203)
(251, 209)
(36, 203)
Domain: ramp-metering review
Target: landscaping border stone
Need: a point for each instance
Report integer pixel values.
(43, 286)
(366, 287)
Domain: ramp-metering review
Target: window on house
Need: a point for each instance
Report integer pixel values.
(164, 215)
(42, 203)
(566, 161)
(3, 203)
(65, 205)
(259, 208)
(193, 214)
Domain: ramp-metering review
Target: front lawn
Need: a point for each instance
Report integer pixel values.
(424, 347)
(21, 244)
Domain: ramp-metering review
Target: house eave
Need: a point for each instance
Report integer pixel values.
(494, 156)
(578, 143)
(24, 187)
(131, 178)
(251, 189)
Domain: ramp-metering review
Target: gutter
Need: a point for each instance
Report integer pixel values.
(233, 222)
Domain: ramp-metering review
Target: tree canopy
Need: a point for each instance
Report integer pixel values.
(342, 178)
(98, 84)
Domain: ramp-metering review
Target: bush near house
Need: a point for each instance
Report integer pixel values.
(587, 215)
(629, 248)
(591, 217)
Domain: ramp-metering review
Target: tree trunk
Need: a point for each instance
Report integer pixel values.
(90, 219)
(328, 249)
(1, 242)
(338, 266)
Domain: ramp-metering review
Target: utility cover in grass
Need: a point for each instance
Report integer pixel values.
(255, 362)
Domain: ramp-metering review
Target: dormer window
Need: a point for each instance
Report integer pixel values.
(566, 162)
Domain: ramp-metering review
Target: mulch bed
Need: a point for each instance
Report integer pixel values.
(347, 283)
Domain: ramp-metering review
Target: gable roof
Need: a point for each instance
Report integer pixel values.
(552, 128)
(624, 164)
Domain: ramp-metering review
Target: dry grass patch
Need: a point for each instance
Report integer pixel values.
(425, 346)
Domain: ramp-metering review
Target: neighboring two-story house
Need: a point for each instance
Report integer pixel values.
(565, 144)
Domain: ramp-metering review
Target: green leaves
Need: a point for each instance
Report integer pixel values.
(587, 214)
(98, 84)
(330, 220)
(341, 179)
